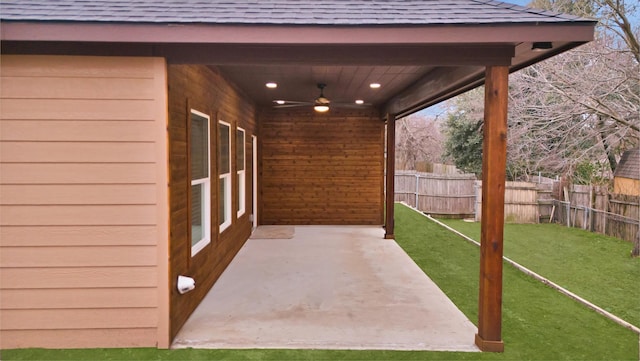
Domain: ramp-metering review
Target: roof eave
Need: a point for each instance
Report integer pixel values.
(422, 95)
(295, 34)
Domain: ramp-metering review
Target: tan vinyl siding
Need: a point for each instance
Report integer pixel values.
(83, 201)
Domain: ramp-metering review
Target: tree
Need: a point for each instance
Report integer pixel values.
(574, 114)
(591, 95)
(418, 138)
(463, 130)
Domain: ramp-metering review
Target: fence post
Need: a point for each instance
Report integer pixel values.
(592, 206)
(417, 182)
(476, 188)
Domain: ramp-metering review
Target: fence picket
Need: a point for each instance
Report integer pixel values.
(591, 208)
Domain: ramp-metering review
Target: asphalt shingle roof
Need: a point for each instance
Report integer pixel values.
(279, 12)
(629, 166)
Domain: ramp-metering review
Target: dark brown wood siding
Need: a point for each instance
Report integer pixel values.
(321, 168)
(203, 89)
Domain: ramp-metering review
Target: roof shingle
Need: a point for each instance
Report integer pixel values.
(629, 165)
(279, 12)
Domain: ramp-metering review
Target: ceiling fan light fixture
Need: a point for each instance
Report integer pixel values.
(321, 100)
(321, 103)
(279, 102)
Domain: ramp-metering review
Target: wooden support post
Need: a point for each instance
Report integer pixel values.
(494, 159)
(390, 179)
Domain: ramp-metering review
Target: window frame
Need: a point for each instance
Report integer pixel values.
(225, 178)
(206, 189)
(241, 173)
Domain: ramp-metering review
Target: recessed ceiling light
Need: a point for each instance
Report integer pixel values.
(359, 101)
(271, 85)
(374, 85)
(279, 102)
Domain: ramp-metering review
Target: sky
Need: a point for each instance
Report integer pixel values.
(517, 2)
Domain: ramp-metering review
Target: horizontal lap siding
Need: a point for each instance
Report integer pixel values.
(81, 145)
(206, 90)
(321, 169)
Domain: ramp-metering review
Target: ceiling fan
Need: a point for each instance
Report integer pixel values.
(320, 104)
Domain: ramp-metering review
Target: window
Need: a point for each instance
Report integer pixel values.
(241, 163)
(224, 172)
(200, 182)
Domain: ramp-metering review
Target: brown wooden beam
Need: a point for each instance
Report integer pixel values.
(494, 159)
(274, 54)
(270, 54)
(437, 85)
(390, 177)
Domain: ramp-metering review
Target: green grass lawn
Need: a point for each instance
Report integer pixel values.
(538, 322)
(594, 266)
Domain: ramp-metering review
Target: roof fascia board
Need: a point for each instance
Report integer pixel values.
(247, 34)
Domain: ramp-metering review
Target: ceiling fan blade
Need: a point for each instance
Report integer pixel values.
(292, 102)
(291, 105)
(279, 103)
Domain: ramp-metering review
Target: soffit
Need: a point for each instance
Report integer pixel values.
(345, 84)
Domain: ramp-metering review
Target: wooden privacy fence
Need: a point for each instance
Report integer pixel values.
(460, 196)
(438, 194)
(591, 208)
(597, 210)
(520, 202)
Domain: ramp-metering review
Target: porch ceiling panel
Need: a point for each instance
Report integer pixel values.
(345, 84)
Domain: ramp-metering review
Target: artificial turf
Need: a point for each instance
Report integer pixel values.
(538, 322)
(596, 267)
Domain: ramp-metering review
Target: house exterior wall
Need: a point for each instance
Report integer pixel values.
(626, 186)
(204, 89)
(321, 168)
(84, 202)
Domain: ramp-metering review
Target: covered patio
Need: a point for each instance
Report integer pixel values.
(326, 287)
(271, 158)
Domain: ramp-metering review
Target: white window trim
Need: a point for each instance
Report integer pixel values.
(206, 229)
(226, 179)
(242, 177)
(254, 170)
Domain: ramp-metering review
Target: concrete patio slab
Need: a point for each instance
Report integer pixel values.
(328, 287)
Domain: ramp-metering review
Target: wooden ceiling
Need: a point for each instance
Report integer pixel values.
(344, 84)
